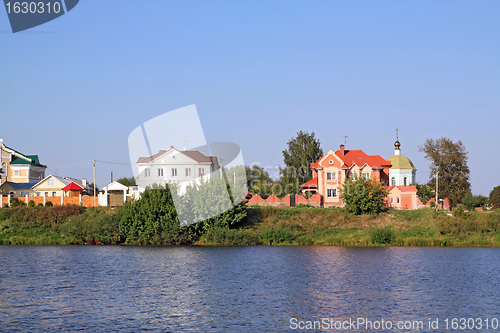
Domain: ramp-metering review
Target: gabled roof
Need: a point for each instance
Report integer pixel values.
(360, 158)
(313, 183)
(355, 157)
(22, 159)
(193, 154)
(151, 158)
(197, 156)
(62, 180)
(411, 188)
(380, 160)
(72, 187)
(115, 186)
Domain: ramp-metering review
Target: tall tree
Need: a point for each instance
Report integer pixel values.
(495, 196)
(450, 160)
(259, 181)
(302, 151)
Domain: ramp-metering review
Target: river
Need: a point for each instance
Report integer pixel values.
(248, 289)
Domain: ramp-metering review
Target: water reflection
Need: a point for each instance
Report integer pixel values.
(215, 289)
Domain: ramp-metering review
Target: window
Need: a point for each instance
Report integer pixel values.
(38, 194)
(331, 176)
(174, 172)
(160, 172)
(54, 194)
(393, 182)
(392, 201)
(51, 182)
(16, 172)
(201, 172)
(331, 161)
(332, 193)
(397, 200)
(353, 176)
(404, 181)
(188, 172)
(147, 172)
(366, 175)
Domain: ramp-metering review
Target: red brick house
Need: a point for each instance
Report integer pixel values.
(331, 171)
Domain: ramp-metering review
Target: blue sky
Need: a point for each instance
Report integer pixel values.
(73, 89)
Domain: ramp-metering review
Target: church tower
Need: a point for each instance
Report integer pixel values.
(402, 171)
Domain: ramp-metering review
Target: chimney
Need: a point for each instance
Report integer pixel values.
(341, 150)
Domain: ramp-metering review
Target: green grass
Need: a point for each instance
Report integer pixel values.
(333, 226)
(266, 226)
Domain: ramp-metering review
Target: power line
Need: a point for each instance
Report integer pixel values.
(117, 163)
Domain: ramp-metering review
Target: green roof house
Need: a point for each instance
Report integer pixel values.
(17, 167)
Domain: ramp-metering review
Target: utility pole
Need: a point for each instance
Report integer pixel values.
(437, 187)
(93, 164)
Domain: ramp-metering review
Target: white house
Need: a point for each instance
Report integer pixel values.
(182, 167)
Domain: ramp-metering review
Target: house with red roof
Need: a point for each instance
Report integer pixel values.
(402, 197)
(72, 190)
(335, 167)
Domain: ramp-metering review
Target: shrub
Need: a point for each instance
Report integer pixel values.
(31, 203)
(363, 196)
(277, 236)
(48, 204)
(151, 216)
(14, 202)
(94, 226)
(383, 235)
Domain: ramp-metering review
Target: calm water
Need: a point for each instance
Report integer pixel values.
(241, 289)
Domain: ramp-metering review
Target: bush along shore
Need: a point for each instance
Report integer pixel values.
(153, 221)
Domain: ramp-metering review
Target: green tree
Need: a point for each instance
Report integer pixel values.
(209, 199)
(259, 181)
(472, 201)
(363, 196)
(302, 151)
(425, 192)
(450, 159)
(495, 196)
(152, 219)
(127, 181)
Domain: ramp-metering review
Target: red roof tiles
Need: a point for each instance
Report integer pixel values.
(313, 183)
(72, 187)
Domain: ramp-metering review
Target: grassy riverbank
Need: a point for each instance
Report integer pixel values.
(317, 226)
(262, 226)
